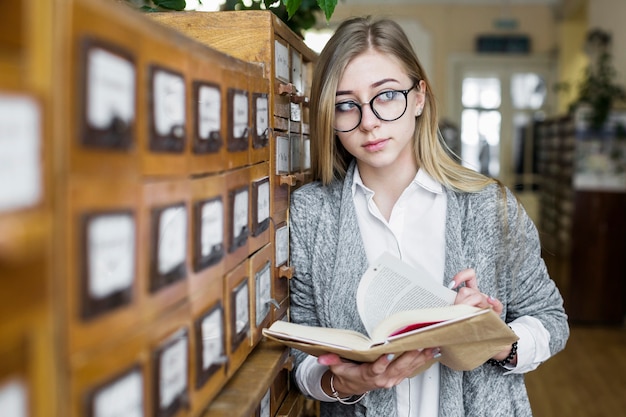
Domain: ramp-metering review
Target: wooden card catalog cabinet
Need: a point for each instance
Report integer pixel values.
(237, 310)
(105, 83)
(260, 36)
(112, 381)
(165, 217)
(209, 358)
(103, 288)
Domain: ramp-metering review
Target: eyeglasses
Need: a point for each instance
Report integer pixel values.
(388, 106)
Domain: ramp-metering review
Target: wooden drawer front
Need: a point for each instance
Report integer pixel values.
(260, 206)
(170, 358)
(164, 244)
(208, 243)
(102, 280)
(237, 216)
(261, 302)
(166, 91)
(260, 119)
(114, 377)
(237, 296)
(105, 83)
(209, 357)
(207, 112)
(238, 109)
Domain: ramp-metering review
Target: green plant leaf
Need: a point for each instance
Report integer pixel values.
(171, 4)
(328, 6)
(292, 6)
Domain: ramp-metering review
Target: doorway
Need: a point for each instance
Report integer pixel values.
(496, 100)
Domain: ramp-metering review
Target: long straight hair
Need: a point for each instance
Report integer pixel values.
(329, 159)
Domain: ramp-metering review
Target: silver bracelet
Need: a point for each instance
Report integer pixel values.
(346, 400)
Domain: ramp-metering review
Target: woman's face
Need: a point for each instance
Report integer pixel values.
(375, 143)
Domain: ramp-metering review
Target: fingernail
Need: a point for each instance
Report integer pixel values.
(437, 354)
(390, 357)
(451, 285)
(492, 298)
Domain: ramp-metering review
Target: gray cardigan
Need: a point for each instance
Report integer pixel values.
(329, 258)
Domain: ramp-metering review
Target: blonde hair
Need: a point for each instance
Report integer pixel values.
(329, 160)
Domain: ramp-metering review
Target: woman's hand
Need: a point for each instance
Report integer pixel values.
(469, 293)
(386, 372)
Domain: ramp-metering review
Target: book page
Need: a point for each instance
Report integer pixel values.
(321, 336)
(389, 285)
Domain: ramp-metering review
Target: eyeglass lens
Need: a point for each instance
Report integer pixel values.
(387, 106)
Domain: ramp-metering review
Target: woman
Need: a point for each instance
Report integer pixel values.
(384, 182)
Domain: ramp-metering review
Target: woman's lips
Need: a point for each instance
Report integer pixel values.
(376, 145)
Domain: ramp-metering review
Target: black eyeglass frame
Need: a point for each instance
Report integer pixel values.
(359, 106)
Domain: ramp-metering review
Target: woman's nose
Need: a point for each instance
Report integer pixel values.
(369, 120)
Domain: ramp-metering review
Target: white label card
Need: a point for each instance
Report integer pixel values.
(240, 212)
(111, 88)
(20, 152)
(13, 398)
(212, 339)
(296, 71)
(265, 405)
(209, 111)
(306, 159)
(240, 114)
(263, 201)
(212, 225)
(172, 237)
(282, 155)
(294, 112)
(242, 309)
(282, 245)
(169, 103)
(173, 368)
(111, 254)
(262, 115)
(263, 292)
(281, 61)
(122, 398)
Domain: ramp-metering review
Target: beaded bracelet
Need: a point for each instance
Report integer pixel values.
(506, 360)
(347, 400)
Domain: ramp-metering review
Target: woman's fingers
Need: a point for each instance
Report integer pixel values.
(467, 277)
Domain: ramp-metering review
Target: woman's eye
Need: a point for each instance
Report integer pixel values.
(346, 106)
(387, 96)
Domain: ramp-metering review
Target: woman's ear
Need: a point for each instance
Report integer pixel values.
(420, 98)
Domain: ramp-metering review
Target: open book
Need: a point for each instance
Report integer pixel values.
(403, 310)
